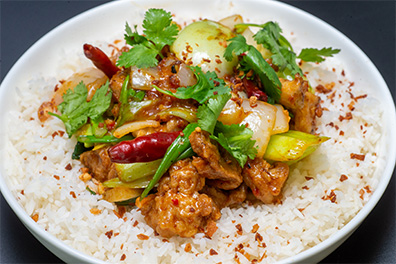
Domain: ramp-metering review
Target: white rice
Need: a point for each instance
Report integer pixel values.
(36, 162)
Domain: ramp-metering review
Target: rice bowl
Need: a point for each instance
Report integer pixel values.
(62, 159)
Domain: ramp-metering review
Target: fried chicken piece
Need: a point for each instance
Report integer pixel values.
(265, 180)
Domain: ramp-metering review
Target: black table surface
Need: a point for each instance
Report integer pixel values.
(370, 24)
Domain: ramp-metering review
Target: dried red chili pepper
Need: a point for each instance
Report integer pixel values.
(142, 149)
(100, 60)
(252, 90)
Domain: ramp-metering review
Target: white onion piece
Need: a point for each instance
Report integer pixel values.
(134, 126)
(93, 78)
(186, 76)
(281, 121)
(261, 120)
(203, 43)
(232, 113)
(141, 78)
(231, 21)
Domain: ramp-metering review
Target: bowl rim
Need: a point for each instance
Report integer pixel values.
(60, 247)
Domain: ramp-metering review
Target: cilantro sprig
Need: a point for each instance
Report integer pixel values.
(208, 84)
(158, 32)
(316, 55)
(75, 110)
(251, 58)
(283, 55)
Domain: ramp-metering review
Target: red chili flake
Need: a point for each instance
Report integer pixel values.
(123, 257)
(341, 133)
(61, 133)
(206, 60)
(188, 247)
(343, 73)
(301, 209)
(142, 237)
(116, 234)
(351, 105)
(135, 223)
(367, 188)
(332, 197)
(101, 125)
(258, 237)
(109, 234)
(321, 89)
(213, 252)
(56, 177)
(68, 167)
(305, 187)
(358, 156)
(239, 229)
(35, 217)
(255, 228)
(361, 192)
(348, 116)
(23, 192)
(175, 202)
(73, 194)
(343, 177)
(54, 134)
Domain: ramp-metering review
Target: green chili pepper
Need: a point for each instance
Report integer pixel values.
(105, 139)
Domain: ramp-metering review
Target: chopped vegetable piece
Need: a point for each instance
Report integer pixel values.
(132, 171)
(292, 146)
(119, 194)
(142, 149)
(139, 183)
(90, 139)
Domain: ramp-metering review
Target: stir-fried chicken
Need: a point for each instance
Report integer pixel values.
(99, 164)
(178, 208)
(301, 102)
(219, 168)
(265, 180)
(226, 198)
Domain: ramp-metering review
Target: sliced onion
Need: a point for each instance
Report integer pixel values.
(186, 76)
(184, 113)
(141, 78)
(232, 113)
(261, 120)
(281, 121)
(231, 21)
(134, 126)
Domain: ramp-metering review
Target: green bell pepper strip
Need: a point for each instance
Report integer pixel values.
(90, 139)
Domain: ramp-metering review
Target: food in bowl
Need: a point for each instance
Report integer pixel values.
(312, 191)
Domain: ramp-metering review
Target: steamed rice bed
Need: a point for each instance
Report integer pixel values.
(323, 192)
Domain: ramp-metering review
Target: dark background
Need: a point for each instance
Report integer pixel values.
(370, 24)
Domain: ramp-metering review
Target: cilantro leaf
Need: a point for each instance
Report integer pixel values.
(283, 56)
(237, 140)
(251, 58)
(208, 84)
(159, 31)
(208, 113)
(75, 110)
(316, 55)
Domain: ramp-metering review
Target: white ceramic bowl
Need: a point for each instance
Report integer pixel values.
(81, 29)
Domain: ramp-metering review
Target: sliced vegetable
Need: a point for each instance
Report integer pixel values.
(129, 111)
(142, 149)
(134, 126)
(128, 172)
(202, 43)
(182, 112)
(292, 146)
(139, 183)
(90, 139)
(261, 120)
(79, 149)
(119, 194)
